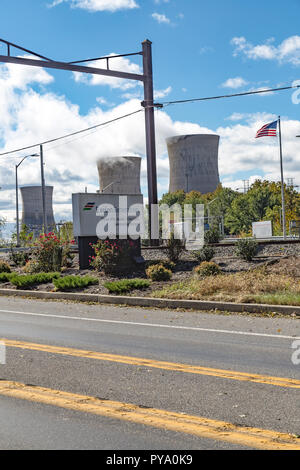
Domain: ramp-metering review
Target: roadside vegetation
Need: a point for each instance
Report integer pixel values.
(24, 281)
(126, 285)
(238, 210)
(67, 283)
(253, 286)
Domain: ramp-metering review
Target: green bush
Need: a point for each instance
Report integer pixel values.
(207, 268)
(126, 285)
(28, 280)
(212, 235)
(6, 277)
(157, 272)
(4, 267)
(165, 263)
(74, 282)
(174, 248)
(205, 254)
(18, 258)
(246, 248)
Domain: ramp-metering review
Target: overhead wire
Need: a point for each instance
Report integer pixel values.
(156, 106)
(72, 133)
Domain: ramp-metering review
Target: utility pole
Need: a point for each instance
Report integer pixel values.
(150, 143)
(17, 208)
(282, 183)
(146, 78)
(43, 190)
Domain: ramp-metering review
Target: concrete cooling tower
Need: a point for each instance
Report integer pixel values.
(120, 175)
(32, 215)
(193, 162)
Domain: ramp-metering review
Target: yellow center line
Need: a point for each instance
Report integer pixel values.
(199, 426)
(137, 361)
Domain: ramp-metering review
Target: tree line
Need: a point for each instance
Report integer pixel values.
(238, 210)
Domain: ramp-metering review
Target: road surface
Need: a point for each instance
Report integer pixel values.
(83, 376)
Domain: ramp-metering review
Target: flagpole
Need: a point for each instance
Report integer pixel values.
(282, 183)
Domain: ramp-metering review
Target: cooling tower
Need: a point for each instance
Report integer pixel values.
(32, 215)
(120, 175)
(193, 162)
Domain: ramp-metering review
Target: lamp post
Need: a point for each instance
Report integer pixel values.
(17, 196)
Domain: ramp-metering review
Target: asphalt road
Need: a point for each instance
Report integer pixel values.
(186, 354)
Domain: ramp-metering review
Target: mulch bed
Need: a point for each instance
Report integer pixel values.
(279, 259)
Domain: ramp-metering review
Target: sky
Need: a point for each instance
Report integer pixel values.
(200, 49)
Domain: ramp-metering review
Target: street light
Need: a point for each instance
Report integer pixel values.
(17, 195)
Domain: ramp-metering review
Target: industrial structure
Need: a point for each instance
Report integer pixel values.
(32, 202)
(120, 175)
(193, 162)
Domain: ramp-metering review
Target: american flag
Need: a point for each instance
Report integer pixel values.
(267, 130)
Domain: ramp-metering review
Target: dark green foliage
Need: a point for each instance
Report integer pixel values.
(74, 282)
(18, 258)
(174, 247)
(246, 248)
(157, 272)
(6, 277)
(126, 285)
(205, 254)
(212, 235)
(28, 280)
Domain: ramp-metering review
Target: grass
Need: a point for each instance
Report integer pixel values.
(126, 285)
(74, 282)
(256, 286)
(279, 298)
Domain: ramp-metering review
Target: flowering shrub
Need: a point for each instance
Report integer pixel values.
(112, 256)
(50, 253)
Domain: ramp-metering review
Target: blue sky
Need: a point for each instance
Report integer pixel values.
(200, 49)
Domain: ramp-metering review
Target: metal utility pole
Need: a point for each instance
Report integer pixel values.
(150, 143)
(43, 190)
(282, 183)
(17, 196)
(146, 78)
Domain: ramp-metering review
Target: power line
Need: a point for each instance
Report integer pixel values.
(157, 106)
(267, 90)
(71, 134)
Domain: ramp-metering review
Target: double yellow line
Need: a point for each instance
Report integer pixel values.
(179, 422)
(172, 366)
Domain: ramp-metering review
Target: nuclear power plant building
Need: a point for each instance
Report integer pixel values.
(120, 175)
(32, 215)
(193, 162)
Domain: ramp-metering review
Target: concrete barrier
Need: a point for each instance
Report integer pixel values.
(197, 305)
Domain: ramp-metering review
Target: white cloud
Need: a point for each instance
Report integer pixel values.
(288, 51)
(236, 82)
(99, 5)
(30, 116)
(119, 64)
(158, 94)
(160, 18)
